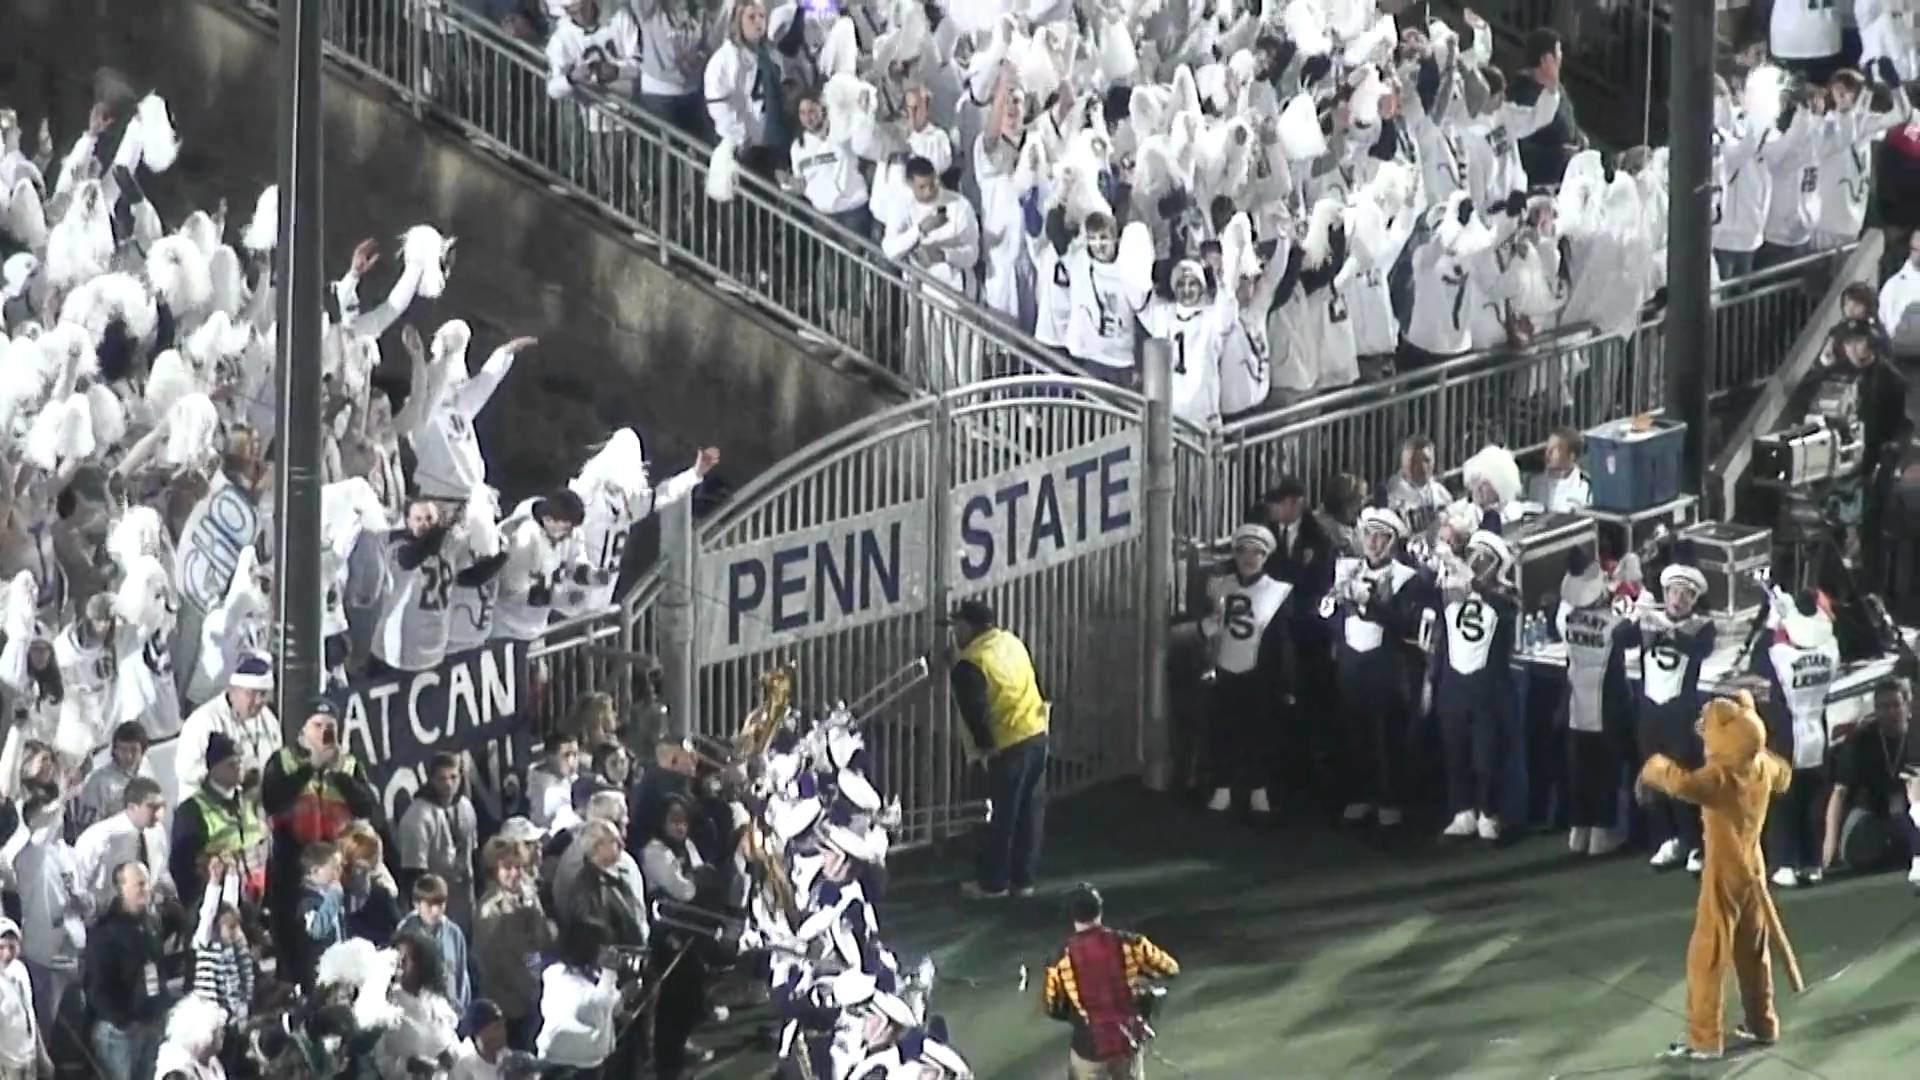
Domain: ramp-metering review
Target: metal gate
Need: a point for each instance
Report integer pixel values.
(1028, 493)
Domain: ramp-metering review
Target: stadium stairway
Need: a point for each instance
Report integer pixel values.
(624, 338)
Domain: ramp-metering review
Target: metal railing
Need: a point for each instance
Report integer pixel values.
(1578, 380)
(834, 288)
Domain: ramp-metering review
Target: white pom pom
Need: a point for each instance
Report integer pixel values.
(159, 145)
(262, 233)
(723, 171)
(193, 424)
(107, 416)
(424, 247)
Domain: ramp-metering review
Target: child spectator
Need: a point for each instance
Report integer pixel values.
(429, 919)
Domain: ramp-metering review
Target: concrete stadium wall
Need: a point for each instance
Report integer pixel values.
(624, 340)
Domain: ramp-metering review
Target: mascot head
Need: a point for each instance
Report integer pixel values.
(1732, 730)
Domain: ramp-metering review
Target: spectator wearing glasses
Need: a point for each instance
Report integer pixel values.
(135, 835)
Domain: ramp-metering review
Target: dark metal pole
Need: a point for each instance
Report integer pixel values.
(299, 273)
(1689, 323)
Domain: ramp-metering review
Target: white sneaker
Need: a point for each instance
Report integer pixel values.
(1813, 877)
(1389, 816)
(1913, 873)
(1667, 857)
(1465, 823)
(1257, 802)
(1356, 813)
(1578, 838)
(1786, 878)
(1605, 841)
(1696, 862)
(1221, 802)
(1489, 827)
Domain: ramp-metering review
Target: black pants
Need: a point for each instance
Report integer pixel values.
(1471, 742)
(1240, 736)
(1668, 729)
(1374, 691)
(1796, 824)
(1010, 844)
(681, 1006)
(1594, 765)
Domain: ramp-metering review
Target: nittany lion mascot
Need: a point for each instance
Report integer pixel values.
(1735, 923)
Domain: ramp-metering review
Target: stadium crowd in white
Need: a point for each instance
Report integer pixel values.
(1291, 194)
(137, 427)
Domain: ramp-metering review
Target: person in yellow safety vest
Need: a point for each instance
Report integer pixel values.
(219, 819)
(998, 698)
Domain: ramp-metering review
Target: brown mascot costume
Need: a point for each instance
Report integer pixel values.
(1735, 923)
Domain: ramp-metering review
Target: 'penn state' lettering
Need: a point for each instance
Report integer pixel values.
(1588, 629)
(815, 582)
(1027, 520)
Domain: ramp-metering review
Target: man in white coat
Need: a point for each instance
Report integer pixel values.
(241, 714)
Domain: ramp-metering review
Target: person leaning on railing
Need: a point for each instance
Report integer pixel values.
(1005, 721)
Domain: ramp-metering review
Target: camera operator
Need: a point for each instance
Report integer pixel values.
(580, 1006)
(1093, 986)
(311, 791)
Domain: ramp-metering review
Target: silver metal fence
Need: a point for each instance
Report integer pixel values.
(1515, 399)
(649, 178)
(1025, 492)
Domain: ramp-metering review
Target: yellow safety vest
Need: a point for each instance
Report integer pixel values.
(1015, 710)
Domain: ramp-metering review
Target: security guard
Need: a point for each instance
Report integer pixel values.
(998, 697)
(219, 819)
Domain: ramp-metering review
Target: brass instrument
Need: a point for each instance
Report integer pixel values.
(763, 723)
(756, 734)
(889, 690)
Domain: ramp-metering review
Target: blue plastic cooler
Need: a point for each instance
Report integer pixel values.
(1633, 470)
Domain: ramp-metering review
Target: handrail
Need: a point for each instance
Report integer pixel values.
(834, 287)
(1565, 339)
(1730, 465)
(767, 246)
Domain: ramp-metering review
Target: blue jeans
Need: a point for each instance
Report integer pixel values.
(1010, 847)
(125, 1053)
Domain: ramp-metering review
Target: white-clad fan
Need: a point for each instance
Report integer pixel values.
(544, 559)
(441, 427)
(617, 493)
(422, 561)
(243, 715)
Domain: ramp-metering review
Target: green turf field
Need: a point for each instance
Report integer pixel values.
(1314, 953)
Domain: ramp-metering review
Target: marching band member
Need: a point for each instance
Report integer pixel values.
(1249, 631)
(1596, 757)
(1674, 642)
(1799, 660)
(1471, 674)
(1377, 671)
(1092, 985)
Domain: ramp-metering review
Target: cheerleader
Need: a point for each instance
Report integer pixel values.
(1472, 678)
(1253, 666)
(1596, 752)
(1674, 643)
(1799, 658)
(1375, 667)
